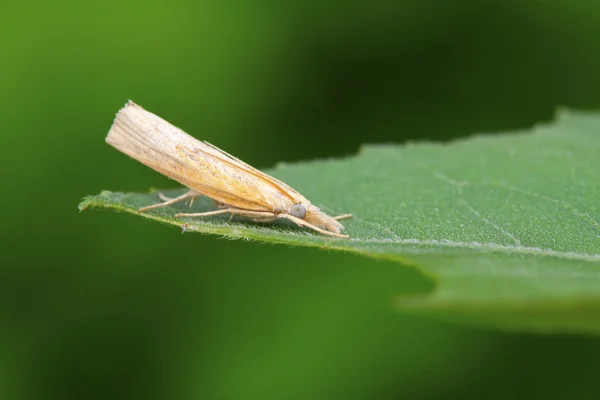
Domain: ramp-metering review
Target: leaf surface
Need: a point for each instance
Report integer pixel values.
(507, 225)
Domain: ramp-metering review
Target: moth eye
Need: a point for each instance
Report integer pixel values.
(298, 210)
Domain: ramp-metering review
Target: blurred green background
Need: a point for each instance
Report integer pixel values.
(101, 305)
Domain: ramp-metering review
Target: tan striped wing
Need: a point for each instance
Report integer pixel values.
(199, 166)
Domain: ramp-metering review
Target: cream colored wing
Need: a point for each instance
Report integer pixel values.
(298, 198)
(205, 169)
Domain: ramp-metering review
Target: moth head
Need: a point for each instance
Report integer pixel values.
(314, 216)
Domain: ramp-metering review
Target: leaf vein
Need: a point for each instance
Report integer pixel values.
(459, 185)
(565, 204)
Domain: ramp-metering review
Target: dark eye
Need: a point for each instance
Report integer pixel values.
(298, 210)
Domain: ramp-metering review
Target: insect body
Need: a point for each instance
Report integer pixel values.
(238, 188)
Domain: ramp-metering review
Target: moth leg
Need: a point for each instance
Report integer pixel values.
(168, 201)
(164, 198)
(254, 217)
(232, 211)
(203, 214)
(301, 222)
(190, 202)
(262, 215)
(343, 216)
(167, 198)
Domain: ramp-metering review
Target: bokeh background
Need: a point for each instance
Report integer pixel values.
(102, 305)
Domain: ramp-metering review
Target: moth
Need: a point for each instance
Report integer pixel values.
(236, 187)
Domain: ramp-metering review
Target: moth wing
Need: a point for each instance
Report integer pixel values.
(229, 183)
(169, 150)
(282, 185)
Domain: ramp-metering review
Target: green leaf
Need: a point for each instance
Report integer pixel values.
(506, 225)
